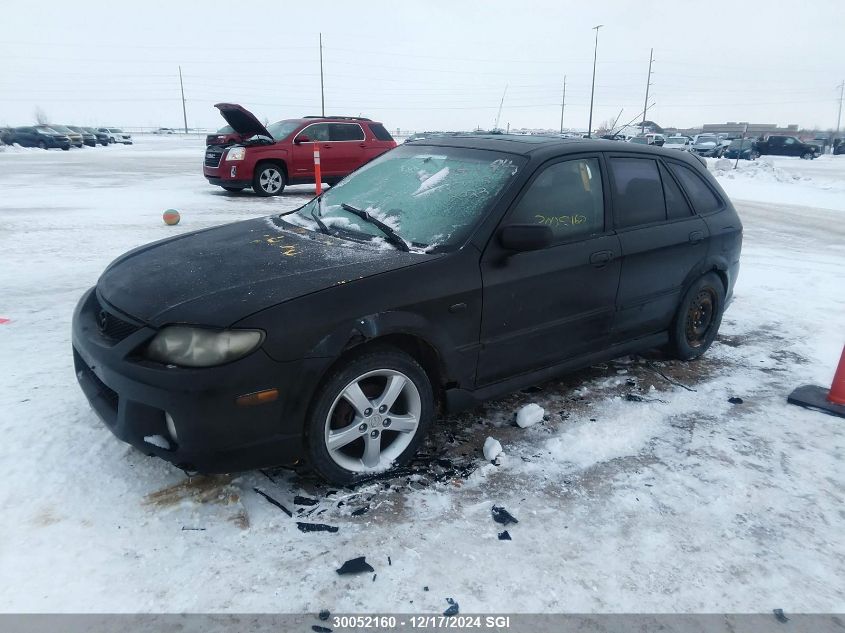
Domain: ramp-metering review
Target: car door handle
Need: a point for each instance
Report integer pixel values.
(601, 258)
(695, 237)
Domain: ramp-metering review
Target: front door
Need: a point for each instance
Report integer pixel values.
(318, 134)
(662, 242)
(543, 307)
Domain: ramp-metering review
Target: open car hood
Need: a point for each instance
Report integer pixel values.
(242, 120)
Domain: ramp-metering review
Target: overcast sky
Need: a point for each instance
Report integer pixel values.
(422, 64)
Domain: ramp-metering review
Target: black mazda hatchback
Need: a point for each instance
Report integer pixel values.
(443, 273)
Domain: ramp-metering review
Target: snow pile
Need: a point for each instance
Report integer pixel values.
(529, 415)
(492, 449)
(763, 169)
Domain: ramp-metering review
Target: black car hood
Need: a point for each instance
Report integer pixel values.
(242, 120)
(218, 276)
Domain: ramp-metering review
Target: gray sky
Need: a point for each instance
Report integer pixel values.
(425, 64)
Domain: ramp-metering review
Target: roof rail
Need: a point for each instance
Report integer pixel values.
(346, 118)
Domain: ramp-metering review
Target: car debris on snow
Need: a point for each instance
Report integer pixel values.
(779, 616)
(453, 607)
(355, 566)
(324, 614)
(505, 536)
(736, 400)
(316, 527)
(361, 510)
(500, 515)
(320, 629)
(529, 415)
(492, 449)
(304, 501)
(274, 502)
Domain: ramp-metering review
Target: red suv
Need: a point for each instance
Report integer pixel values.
(283, 153)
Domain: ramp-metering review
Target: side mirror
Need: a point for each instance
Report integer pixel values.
(525, 237)
(302, 138)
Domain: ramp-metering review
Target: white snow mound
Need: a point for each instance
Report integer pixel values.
(529, 415)
(157, 440)
(492, 449)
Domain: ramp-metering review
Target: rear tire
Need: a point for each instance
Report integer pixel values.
(698, 318)
(368, 415)
(269, 180)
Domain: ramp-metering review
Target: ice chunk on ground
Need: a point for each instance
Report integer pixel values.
(157, 440)
(492, 449)
(529, 415)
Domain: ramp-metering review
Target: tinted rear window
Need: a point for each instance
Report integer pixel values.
(345, 132)
(380, 132)
(702, 197)
(676, 205)
(637, 192)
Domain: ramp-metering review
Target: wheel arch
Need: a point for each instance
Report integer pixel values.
(279, 162)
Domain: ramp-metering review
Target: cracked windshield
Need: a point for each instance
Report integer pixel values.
(430, 196)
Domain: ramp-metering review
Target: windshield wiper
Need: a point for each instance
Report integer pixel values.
(392, 236)
(320, 223)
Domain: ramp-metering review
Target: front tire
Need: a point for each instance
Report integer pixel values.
(370, 414)
(807, 155)
(698, 318)
(42, 145)
(269, 180)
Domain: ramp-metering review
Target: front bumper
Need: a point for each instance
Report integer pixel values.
(212, 433)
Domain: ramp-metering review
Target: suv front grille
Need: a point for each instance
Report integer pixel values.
(213, 156)
(111, 326)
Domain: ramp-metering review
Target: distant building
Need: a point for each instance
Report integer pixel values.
(753, 129)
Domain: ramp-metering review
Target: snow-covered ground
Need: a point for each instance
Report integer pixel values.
(635, 493)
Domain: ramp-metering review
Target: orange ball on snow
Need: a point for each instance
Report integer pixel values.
(171, 217)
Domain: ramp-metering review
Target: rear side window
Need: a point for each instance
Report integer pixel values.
(567, 197)
(345, 132)
(637, 192)
(380, 132)
(702, 197)
(676, 205)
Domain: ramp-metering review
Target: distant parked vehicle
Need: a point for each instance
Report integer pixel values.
(283, 153)
(75, 137)
(88, 137)
(649, 139)
(838, 148)
(102, 137)
(226, 135)
(707, 145)
(38, 136)
(116, 135)
(787, 146)
(4, 134)
(164, 130)
(678, 142)
(745, 149)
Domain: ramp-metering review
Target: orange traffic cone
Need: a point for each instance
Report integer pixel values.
(826, 400)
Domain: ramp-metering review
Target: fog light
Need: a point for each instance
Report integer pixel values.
(233, 172)
(171, 426)
(259, 397)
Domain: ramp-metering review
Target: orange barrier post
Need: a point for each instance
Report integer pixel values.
(318, 177)
(826, 400)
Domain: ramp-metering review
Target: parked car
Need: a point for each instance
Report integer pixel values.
(102, 137)
(649, 139)
(224, 137)
(707, 145)
(116, 135)
(838, 147)
(75, 137)
(443, 273)
(283, 153)
(5, 133)
(742, 148)
(678, 142)
(786, 146)
(88, 138)
(164, 130)
(38, 136)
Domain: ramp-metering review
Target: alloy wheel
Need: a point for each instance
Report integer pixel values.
(270, 180)
(373, 420)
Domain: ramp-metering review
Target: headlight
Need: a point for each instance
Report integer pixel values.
(236, 153)
(198, 347)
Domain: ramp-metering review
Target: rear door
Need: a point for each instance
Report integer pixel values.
(348, 146)
(543, 307)
(662, 241)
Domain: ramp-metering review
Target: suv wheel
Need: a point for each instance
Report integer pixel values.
(698, 318)
(269, 180)
(807, 155)
(370, 414)
(42, 144)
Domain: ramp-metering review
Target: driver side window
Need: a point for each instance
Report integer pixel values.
(567, 197)
(319, 132)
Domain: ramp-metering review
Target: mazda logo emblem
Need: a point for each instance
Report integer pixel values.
(102, 321)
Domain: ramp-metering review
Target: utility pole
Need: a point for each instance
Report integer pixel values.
(501, 103)
(841, 96)
(184, 110)
(562, 104)
(322, 89)
(593, 88)
(647, 85)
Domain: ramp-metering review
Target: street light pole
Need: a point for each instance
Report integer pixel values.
(593, 88)
(562, 104)
(322, 89)
(647, 86)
